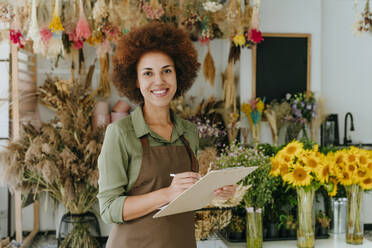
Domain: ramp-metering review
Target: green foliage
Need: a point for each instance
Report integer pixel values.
(262, 184)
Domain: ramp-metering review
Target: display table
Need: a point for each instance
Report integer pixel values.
(334, 241)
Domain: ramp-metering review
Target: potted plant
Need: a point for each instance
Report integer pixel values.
(323, 223)
(236, 228)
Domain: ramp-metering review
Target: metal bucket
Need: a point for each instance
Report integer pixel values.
(339, 208)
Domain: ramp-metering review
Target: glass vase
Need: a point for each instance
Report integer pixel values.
(293, 130)
(79, 230)
(354, 225)
(305, 231)
(254, 228)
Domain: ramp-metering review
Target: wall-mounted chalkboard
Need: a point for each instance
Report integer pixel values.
(281, 64)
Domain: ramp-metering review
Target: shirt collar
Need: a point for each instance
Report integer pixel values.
(141, 128)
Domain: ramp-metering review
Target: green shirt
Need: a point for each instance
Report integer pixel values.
(120, 159)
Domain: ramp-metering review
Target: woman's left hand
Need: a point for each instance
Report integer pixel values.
(225, 192)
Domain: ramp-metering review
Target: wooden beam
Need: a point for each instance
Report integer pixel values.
(32, 235)
(15, 135)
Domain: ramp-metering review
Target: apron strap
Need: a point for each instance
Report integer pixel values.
(145, 144)
(194, 163)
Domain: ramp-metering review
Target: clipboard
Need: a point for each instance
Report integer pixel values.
(201, 193)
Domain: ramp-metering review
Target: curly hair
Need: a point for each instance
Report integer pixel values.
(154, 36)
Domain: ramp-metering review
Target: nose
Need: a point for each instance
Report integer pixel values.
(158, 79)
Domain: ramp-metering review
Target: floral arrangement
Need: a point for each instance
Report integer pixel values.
(352, 166)
(303, 107)
(303, 111)
(274, 113)
(61, 157)
(362, 22)
(210, 134)
(254, 111)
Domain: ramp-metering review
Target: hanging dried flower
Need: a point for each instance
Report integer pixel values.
(239, 40)
(100, 11)
(153, 10)
(82, 27)
(209, 70)
(212, 6)
(16, 37)
(255, 36)
(46, 35)
(55, 25)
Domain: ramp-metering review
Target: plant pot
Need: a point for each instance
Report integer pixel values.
(273, 231)
(254, 228)
(305, 231)
(79, 230)
(291, 233)
(354, 225)
(283, 232)
(323, 231)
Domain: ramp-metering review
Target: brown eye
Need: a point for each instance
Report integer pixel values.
(147, 73)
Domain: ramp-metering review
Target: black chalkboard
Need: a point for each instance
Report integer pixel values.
(282, 66)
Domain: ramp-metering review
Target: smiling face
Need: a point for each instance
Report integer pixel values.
(156, 78)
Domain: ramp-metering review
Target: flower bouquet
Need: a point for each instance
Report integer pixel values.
(353, 169)
(303, 167)
(303, 110)
(260, 184)
(253, 111)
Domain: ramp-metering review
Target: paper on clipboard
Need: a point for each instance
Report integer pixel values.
(201, 193)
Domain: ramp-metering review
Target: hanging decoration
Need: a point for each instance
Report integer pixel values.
(55, 44)
(229, 88)
(209, 70)
(362, 22)
(69, 25)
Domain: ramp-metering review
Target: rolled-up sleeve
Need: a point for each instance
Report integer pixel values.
(112, 166)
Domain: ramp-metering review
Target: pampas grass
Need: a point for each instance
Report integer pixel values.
(209, 70)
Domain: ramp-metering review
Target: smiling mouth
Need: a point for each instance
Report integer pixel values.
(160, 93)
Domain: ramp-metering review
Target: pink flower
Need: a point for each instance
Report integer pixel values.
(82, 29)
(78, 44)
(46, 34)
(16, 37)
(255, 36)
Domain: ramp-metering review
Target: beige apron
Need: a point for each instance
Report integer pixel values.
(175, 231)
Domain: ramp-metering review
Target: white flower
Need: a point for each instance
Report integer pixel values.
(212, 6)
(288, 96)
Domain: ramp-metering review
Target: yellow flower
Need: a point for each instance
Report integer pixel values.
(345, 178)
(239, 40)
(366, 183)
(312, 161)
(260, 105)
(55, 25)
(333, 181)
(362, 158)
(94, 39)
(293, 149)
(275, 167)
(284, 169)
(324, 172)
(284, 157)
(299, 176)
(339, 157)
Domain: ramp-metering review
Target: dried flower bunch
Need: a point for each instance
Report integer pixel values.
(61, 157)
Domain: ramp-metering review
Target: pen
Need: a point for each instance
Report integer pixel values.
(172, 175)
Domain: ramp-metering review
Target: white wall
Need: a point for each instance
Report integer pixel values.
(347, 74)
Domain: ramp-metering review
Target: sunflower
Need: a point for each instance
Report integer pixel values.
(334, 183)
(293, 149)
(312, 161)
(284, 169)
(299, 176)
(352, 168)
(345, 178)
(369, 166)
(363, 158)
(351, 157)
(366, 183)
(284, 157)
(324, 172)
(339, 156)
(275, 167)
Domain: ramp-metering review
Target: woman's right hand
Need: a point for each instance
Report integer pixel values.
(180, 183)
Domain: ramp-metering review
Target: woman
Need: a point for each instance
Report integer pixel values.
(152, 65)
